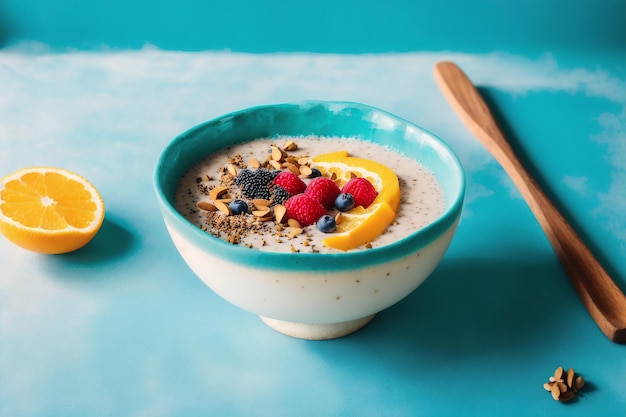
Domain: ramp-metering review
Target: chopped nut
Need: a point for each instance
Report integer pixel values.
(223, 207)
(217, 192)
(305, 170)
(205, 205)
(254, 163)
(279, 212)
(563, 385)
(294, 223)
(290, 146)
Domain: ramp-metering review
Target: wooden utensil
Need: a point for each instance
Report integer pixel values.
(602, 297)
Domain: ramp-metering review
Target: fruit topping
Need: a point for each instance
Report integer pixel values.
(361, 225)
(279, 195)
(315, 173)
(304, 209)
(290, 182)
(326, 224)
(362, 190)
(255, 183)
(344, 202)
(324, 190)
(238, 206)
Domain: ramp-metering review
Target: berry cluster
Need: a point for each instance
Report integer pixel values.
(307, 203)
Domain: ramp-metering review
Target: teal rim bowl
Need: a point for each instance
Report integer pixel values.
(320, 118)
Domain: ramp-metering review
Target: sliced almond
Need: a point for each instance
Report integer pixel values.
(294, 223)
(305, 170)
(279, 212)
(261, 213)
(548, 386)
(277, 154)
(266, 218)
(275, 164)
(304, 160)
(217, 192)
(254, 163)
(580, 382)
(223, 207)
(561, 386)
(261, 202)
(290, 146)
(556, 392)
(570, 377)
(558, 373)
(232, 170)
(338, 218)
(294, 231)
(292, 167)
(205, 205)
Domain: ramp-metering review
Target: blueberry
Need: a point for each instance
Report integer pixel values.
(238, 206)
(315, 173)
(326, 224)
(344, 202)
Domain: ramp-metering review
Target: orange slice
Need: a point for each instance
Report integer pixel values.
(49, 210)
(361, 225)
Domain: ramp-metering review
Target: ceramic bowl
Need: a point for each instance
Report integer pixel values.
(311, 295)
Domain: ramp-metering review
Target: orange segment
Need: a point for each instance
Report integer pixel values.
(360, 226)
(49, 210)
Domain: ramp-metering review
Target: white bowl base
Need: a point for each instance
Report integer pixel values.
(317, 331)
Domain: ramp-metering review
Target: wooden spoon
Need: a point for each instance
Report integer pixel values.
(602, 297)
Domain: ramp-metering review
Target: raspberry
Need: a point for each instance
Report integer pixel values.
(323, 190)
(290, 182)
(304, 209)
(362, 190)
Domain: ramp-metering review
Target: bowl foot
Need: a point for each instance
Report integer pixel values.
(317, 331)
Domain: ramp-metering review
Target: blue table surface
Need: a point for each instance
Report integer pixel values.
(122, 327)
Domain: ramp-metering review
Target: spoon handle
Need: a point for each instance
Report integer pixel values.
(601, 296)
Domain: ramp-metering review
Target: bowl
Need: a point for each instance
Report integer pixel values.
(311, 295)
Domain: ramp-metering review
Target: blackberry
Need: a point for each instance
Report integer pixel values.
(243, 176)
(255, 184)
(279, 195)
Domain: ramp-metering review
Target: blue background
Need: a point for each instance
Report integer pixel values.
(122, 327)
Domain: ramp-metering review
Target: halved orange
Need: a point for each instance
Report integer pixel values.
(49, 210)
(361, 225)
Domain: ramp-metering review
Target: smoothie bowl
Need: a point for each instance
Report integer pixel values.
(313, 215)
